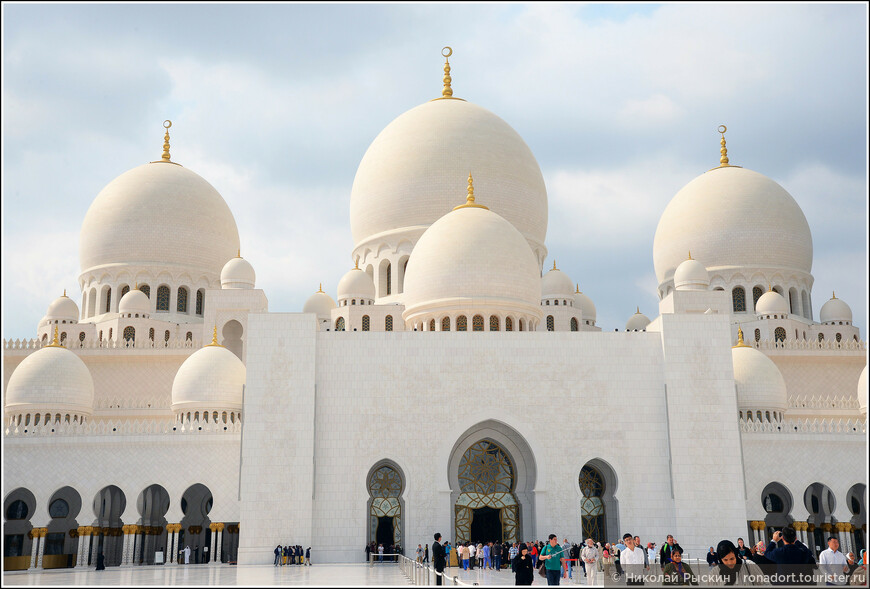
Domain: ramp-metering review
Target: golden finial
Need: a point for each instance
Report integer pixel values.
(833, 294)
(239, 255)
(214, 338)
(637, 311)
(54, 343)
(136, 286)
(447, 92)
(166, 124)
(578, 289)
(690, 254)
(356, 264)
(554, 265)
(320, 288)
(64, 292)
(469, 199)
(740, 342)
(723, 161)
(769, 288)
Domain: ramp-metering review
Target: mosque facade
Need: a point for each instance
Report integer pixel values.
(456, 383)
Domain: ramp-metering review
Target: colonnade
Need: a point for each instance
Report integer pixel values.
(845, 532)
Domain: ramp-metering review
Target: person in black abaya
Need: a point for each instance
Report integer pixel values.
(522, 567)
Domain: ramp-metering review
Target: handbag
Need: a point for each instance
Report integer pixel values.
(542, 570)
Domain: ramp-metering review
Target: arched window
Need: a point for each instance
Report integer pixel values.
(101, 335)
(189, 336)
(779, 334)
(461, 323)
(366, 323)
(110, 332)
(124, 290)
(592, 506)
(767, 416)
(45, 337)
(522, 325)
(166, 335)
(757, 291)
(551, 323)
(59, 509)
(839, 337)
(431, 324)
(108, 300)
(738, 298)
(445, 324)
(494, 323)
(758, 415)
(389, 280)
(477, 323)
(574, 325)
(63, 337)
(17, 510)
(388, 323)
(821, 337)
(151, 334)
(509, 324)
(353, 302)
(181, 305)
(758, 335)
(129, 333)
(556, 303)
(199, 302)
(82, 336)
(163, 298)
(339, 324)
(146, 289)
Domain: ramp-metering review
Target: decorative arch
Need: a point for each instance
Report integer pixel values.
(384, 276)
(551, 323)
(777, 502)
(461, 323)
(64, 507)
(599, 508)
(574, 325)
(181, 303)
(18, 508)
(507, 455)
(385, 509)
(163, 298)
(152, 505)
(200, 302)
(339, 324)
(821, 504)
(738, 299)
(494, 323)
(477, 323)
(232, 333)
(109, 505)
(855, 501)
(366, 323)
(196, 503)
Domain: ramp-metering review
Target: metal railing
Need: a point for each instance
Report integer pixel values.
(422, 574)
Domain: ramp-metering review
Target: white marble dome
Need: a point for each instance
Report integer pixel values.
(411, 173)
(62, 308)
(54, 380)
(159, 214)
(691, 275)
(238, 273)
(834, 311)
(134, 302)
(586, 305)
(320, 303)
(862, 391)
(637, 322)
(356, 284)
(556, 284)
(210, 379)
(733, 218)
(760, 384)
(472, 259)
(771, 303)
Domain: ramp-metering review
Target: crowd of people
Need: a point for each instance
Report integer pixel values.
(292, 555)
(783, 561)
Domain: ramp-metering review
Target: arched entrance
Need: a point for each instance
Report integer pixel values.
(777, 503)
(820, 503)
(232, 337)
(108, 537)
(61, 546)
(386, 506)
(196, 503)
(492, 477)
(599, 509)
(153, 503)
(18, 507)
(855, 498)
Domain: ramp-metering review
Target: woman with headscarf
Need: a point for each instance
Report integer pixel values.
(733, 570)
(522, 566)
(678, 572)
(859, 575)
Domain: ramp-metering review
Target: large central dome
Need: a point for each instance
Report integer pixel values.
(414, 169)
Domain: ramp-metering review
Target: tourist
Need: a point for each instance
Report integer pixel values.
(767, 566)
(589, 558)
(463, 555)
(566, 554)
(607, 561)
(308, 556)
(380, 553)
(645, 553)
(426, 553)
(833, 563)
(101, 562)
(554, 561)
(448, 553)
(522, 567)
(742, 550)
(732, 570)
(187, 554)
(496, 555)
(196, 554)
(712, 558)
(632, 559)
(677, 572)
(617, 553)
(859, 574)
(513, 551)
(439, 558)
(535, 552)
(794, 561)
(665, 554)
(419, 553)
(277, 552)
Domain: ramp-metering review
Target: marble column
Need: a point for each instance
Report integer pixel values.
(125, 551)
(95, 545)
(170, 543)
(42, 533)
(84, 544)
(34, 546)
(220, 543)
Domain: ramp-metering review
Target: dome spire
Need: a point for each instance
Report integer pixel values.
(165, 157)
(239, 255)
(214, 341)
(637, 312)
(740, 342)
(356, 263)
(64, 292)
(723, 160)
(320, 288)
(554, 264)
(690, 254)
(54, 343)
(447, 90)
(469, 199)
(578, 289)
(833, 294)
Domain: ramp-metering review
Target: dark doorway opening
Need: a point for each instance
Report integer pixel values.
(384, 534)
(486, 525)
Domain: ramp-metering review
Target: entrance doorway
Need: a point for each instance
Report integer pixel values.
(486, 525)
(384, 533)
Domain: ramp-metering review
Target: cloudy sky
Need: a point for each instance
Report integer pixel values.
(275, 106)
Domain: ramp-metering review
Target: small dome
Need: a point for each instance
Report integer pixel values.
(862, 392)
(472, 259)
(691, 275)
(52, 379)
(835, 310)
(638, 322)
(238, 273)
(586, 305)
(356, 284)
(210, 379)
(135, 301)
(771, 303)
(320, 303)
(556, 284)
(62, 308)
(759, 382)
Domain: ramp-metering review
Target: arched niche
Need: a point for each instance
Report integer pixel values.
(521, 458)
(232, 332)
(19, 507)
(109, 505)
(385, 486)
(63, 507)
(196, 503)
(777, 502)
(597, 485)
(152, 505)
